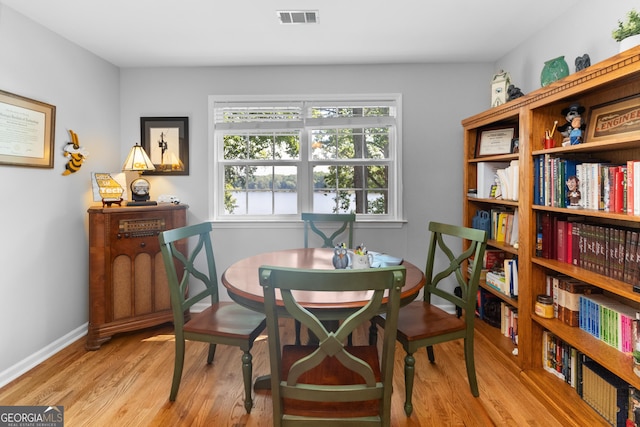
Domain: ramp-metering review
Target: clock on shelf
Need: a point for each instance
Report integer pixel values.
(140, 193)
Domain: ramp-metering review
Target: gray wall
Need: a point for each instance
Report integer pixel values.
(432, 153)
(43, 274)
(43, 254)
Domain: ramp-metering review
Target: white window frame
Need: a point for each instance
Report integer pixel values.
(305, 173)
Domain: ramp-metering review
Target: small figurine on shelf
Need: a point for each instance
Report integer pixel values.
(573, 195)
(513, 92)
(575, 126)
(582, 62)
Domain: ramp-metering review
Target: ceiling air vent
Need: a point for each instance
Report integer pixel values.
(298, 16)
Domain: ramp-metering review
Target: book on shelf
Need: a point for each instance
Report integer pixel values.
(487, 177)
(511, 284)
(509, 322)
(493, 258)
(608, 320)
(613, 398)
(608, 250)
(560, 359)
(508, 178)
(496, 280)
(504, 225)
(569, 291)
(488, 308)
(633, 419)
(605, 392)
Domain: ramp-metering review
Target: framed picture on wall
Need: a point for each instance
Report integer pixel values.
(166, 141)
(27, 129)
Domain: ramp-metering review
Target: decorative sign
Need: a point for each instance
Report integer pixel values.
(619, 120)
(107, 188)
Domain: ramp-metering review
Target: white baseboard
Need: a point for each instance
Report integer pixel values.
(40, 356)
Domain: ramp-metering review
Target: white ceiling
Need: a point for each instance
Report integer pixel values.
(138, 33)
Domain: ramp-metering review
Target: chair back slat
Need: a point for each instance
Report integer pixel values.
(343, 222)
(443, 237)
(381, 289)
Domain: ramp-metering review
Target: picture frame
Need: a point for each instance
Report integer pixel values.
(28, 129)
(166, 142)
(496, 140)
(618, 120)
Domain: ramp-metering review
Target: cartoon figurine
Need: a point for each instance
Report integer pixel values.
(340, 258)
(76, 153)
(573, 195)
(575, 126)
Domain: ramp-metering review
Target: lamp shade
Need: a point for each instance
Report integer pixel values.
(137, 160)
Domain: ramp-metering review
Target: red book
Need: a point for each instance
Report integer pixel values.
(561, 240)
(492, 257)
(618, 190)
(630, 177)
(569, 243)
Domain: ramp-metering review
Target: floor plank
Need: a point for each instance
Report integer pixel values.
(127, 383)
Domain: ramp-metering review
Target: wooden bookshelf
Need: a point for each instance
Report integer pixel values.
(608, 81)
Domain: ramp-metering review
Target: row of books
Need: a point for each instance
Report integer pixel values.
(509, 322)
(565, 292)
(498, 180)
(609, 395)
(601, 186)
(610, 321)
(549, 180)
(505, 279)
(604, 249)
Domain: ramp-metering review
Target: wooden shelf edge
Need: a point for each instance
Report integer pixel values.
(610, 284)
(504, 297)
(561, 400)
(501, 202)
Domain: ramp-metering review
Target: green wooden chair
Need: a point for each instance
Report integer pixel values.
(342, 226)
(422, 324)
(223, 322)
(331, 384)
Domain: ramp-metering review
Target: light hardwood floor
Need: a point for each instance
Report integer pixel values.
(127, 382)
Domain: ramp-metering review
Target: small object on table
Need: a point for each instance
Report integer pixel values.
(340, 258)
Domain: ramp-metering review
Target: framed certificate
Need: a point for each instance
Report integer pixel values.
(27, 130)
(495, 141)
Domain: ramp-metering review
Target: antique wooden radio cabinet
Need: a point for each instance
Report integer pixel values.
(128, 287)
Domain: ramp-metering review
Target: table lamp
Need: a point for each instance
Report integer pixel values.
(138, 161)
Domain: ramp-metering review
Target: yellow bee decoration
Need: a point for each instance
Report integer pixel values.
(76, 153)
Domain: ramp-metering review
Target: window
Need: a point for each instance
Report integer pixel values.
(273, 158)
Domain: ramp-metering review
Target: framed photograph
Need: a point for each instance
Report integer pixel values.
(27, 130)
(166, 141)
(494, 141)
(619, 120)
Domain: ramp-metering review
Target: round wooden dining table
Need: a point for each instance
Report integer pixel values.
(243, 284)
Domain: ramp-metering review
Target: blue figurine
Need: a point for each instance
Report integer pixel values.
(340, 258)
(575, 126)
